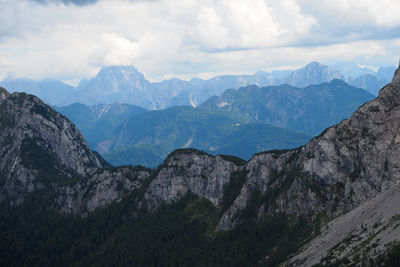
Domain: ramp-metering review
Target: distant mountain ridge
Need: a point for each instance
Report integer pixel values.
(310, 109)
(238, 122)
(127, 85)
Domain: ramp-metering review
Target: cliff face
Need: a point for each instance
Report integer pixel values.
(38, 145)
(199, 173)
(101, 189)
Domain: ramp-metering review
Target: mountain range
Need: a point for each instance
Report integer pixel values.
(238, 122)
(127, 85)
(331, 202)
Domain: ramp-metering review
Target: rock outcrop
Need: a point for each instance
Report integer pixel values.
(198, 173)
(101, 189)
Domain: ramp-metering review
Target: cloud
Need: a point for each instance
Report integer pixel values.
(66, 2)
(69, 40)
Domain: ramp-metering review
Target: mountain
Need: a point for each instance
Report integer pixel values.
(113, 84)
(310, 109)
(39, 145)
(312, 73)
(51, 91)
(97, 122)
(369, 82)
(148, 138)
(199, 209)
(350, 70)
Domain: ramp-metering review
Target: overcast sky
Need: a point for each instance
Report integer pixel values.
(72, 39)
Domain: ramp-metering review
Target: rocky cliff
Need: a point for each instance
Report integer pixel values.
(38, 145)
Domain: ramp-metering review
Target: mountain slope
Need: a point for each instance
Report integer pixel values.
(148, 138)
(39, 145)
(310, 109)
(97, 122)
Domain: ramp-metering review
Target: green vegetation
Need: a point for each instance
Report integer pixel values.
(148, 138)
(309, 110)
(45, 163)
(99, 121)
(179, 234)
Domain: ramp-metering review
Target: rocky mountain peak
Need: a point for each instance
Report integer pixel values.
(312, 73)
(129, 73)
(39, 146)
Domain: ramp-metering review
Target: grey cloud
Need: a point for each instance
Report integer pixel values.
(78, 2)
(66, 2)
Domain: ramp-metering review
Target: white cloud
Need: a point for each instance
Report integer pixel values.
(167, 37)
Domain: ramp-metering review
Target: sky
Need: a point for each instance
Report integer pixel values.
(72, 39)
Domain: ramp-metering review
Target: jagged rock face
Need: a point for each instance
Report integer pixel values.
(345, 166)
(312, 73)
(201, 174)
(38, 144)
(101, 189)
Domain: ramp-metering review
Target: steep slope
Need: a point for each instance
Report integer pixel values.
(310, 109)
(38, 145)
(359, 235)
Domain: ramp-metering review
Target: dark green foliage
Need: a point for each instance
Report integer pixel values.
(179, 234)
(6, 120)
(44, 111)
(37, 156)
(391, 257)
(233, 159)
